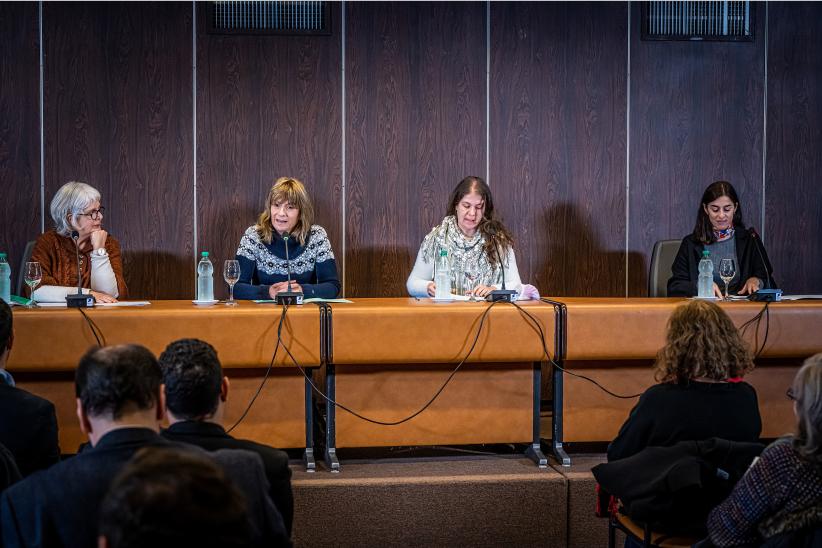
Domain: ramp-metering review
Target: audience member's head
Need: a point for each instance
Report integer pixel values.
(117, 384)
(702, 343)
(170, 498)
(193, 378)
(6, 332)
(807, 395)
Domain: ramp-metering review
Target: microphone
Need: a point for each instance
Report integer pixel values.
(79, 300)
(288, 297)
(766, 294)
(505, 295)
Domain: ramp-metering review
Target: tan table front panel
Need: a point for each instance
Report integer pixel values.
(383, 331)
(483, 403)
(277, 417)
(629, 329)
(592, 415)
(49, 339)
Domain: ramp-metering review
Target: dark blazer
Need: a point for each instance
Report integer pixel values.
(211, 436)
(60, 506)
(9, 473)
(28, 429)
(685, 270)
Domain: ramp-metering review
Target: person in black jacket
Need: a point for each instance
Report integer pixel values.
(196, 391)
(701, 393)
(720, 229)
(120, 395)
(29, 425)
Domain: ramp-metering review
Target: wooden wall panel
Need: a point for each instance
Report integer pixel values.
(267, 106)
(558, 108)
(696, 117)
(118, 116)
(19, 130)
(415, 104)
(793, 190)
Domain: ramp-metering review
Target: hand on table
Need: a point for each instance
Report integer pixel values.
(718, 292)
(282, 286)
(482, 291)
(101, 297)
(432, 289)
(751, 286)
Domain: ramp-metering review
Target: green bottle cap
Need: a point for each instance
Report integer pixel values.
(706, 253)
(2, 255)
(204, 253)
(443, 252)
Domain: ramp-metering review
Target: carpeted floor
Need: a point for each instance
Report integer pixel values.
(448, 501)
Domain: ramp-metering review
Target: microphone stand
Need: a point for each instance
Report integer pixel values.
(79, 300)
(504, 295)
(766, 294)
(288, 297)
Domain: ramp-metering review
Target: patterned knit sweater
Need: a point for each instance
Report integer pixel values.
(261, 265)
(778, 487)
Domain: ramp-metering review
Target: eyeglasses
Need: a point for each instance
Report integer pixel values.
(93, 215)
(790, 394)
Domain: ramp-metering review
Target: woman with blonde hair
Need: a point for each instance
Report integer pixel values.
(287, 220)
(701, 393)
(780, 497)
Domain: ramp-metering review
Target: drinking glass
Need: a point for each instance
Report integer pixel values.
(32, 276)
(470, 275)
(727, 271)
(231, 273)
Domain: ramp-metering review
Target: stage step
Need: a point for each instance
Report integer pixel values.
(448, 501)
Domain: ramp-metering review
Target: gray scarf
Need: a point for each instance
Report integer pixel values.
(462, 251)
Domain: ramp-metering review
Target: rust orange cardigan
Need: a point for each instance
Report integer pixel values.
(57, 258)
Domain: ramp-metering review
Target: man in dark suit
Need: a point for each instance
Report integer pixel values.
(120, 403)
(196, 392)
(29, 425)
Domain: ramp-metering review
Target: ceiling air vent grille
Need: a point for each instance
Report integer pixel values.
(698, 20)
(269, 17)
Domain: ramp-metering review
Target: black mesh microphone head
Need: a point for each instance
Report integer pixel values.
(75, 234)
(286, 235)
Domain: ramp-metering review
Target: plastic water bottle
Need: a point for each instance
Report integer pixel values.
(443, 276)
(205, 280)
(5, 279)
(705, 283)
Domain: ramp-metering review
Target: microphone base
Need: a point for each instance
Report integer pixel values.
(289, 297)
(504, 295)
(766, 295)
(79, 301)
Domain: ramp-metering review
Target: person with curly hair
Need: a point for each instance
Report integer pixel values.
(701, 393)
(779, 499)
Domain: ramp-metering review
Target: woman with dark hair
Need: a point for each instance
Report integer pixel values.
(720, 230)
(700, 394)
(474, 238)
(780, 497)
(262, 251)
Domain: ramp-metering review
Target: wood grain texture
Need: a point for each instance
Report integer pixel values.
(557, 124)
(19, 130)
(267, 107)
(696, 117)
(118, 116)
(793, 200)
(415, 104)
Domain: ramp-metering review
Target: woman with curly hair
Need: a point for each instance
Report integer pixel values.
(780, 497)
(701, 393)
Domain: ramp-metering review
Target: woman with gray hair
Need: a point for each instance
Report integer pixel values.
(780, 497)
(78, 217)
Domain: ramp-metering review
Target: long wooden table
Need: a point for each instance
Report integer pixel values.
(388, 357)
(615, 341)
(50, 341)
